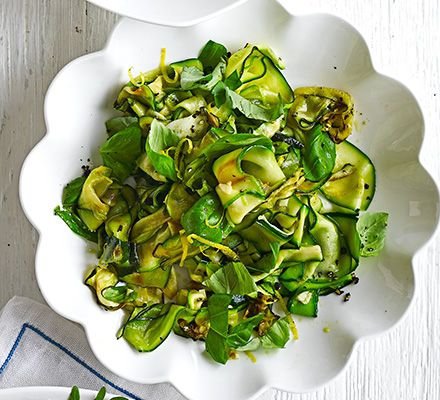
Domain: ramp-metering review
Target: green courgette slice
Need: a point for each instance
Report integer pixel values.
(353, 181)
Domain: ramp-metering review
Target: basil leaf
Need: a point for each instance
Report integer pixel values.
(204, 218)
(233, 81)
(252, 110)
(319, 155)
(233, 278)
(159, 139)
(269, 260)
(101, 394)
(72, 191)
(76, 224)
(277, 336)
(232, 142)
(372, 232)
(241, 334)
(74, 394)
(121, 151)
(216, 344)
(192, 78)
(211, 54)
(117, 124)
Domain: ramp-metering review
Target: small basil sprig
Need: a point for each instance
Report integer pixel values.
(211, 55)
(72, 191)
(159, 139)
(372, 232)
(319, 155)
(121, 151)
(75, 395)
(216, 340)
(205, 219)
(233, 279)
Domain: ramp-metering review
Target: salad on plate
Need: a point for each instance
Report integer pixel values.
(226, 203)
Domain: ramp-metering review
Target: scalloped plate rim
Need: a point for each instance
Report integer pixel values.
(170, 23)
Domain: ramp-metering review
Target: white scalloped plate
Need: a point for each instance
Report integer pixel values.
(318, 50)
(44, 393)
(172, 12)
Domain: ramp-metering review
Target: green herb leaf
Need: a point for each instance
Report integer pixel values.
(74, 394)
(241, 334)
(233, 278)
(118, 124)
(72, 191)
(216, 344)
(372, 232)
(205, 218)
(211, 54)
(232, 142)
(76, 224)
(101, 394)
(269, 260)
(233, 81)
(192, 78)
(252, 110)
(277, 336)
(121, 151)
(319, 155)
(159, 139)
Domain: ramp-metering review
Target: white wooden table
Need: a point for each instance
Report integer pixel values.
(38, 37)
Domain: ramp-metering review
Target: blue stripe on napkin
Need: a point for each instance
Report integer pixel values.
(27, 326)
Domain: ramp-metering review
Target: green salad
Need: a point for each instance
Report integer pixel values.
(226, 203)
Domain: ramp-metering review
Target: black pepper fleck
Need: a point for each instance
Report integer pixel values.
(366, 186)
(86, 170)
(347, 297)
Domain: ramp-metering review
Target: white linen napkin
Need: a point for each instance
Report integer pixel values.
(40, 348)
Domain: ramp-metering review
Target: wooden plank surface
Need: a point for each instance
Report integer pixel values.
(38, 37)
